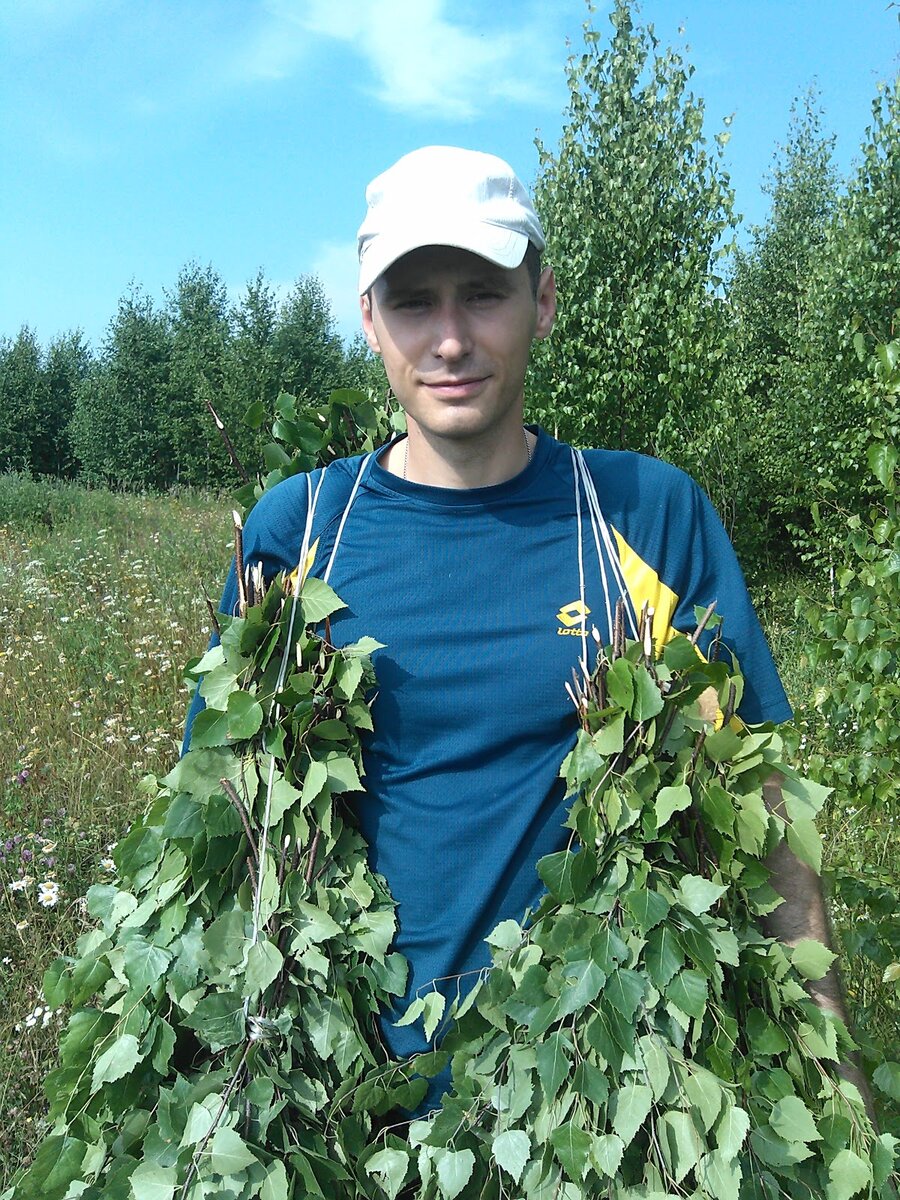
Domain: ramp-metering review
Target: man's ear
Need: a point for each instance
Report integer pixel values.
(546, 303)
(365, 308)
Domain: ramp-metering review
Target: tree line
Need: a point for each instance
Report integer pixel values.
(752, 366)
(137, 414)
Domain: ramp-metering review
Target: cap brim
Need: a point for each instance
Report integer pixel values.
(503, 247)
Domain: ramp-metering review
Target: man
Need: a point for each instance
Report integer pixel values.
(480, 552)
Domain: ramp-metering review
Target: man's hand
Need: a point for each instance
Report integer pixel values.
(804, 915)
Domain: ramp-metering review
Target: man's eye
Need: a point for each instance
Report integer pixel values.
(485, 296)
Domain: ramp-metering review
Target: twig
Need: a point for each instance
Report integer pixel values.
(311, 863)
(232, 453)
(228, 789)
(239, 561)
(213, 616)
(192, 1169)
(702, 623)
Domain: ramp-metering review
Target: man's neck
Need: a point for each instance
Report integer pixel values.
(459, 463)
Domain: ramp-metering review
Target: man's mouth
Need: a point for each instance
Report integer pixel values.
(456, 387)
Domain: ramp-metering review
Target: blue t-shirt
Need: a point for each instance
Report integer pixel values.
(476, 596)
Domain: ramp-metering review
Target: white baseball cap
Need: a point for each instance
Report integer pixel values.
(444, 196)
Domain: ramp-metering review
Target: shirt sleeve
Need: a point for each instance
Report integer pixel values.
(709, 573)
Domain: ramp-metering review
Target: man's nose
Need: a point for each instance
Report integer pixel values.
(452, 339)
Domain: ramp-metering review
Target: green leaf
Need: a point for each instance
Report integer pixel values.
(720, 1176)
(680, 654)
(218, 1019)
(318, 601)
(216, 687)
(792, 1120)
(117, 1061)
(632, 1104)
(226, 938)
(723, 745)
(152, 1182)
(805, 841)
(582, 982)
(314, 781)
(663, 955)
(648, 700)
(245, 716)
(611, 738)
(680, 1141)
(432, 1012)
(620, 684)
(671, 800)
(144, 963)
(229, 1152)
(342, 773)
(847, 1175)
(656, 1064)
(511, 1150)
(390, 1165)
(624, 990)
(647, 907)
(505, 936)
(210, 728)
(607, 1153)
(374, 931)
(264, 963)
(687, 991)
(454, 1168)
(556, 872)
(553, 1063)
(275, 1184)
(731, 1130)
(313, 923)
(588, 1080)
(883, 462)
(811, 958)
(572, 1146)
(706, 1094)
(887, 1079)
(698, 894)
(764, 1035)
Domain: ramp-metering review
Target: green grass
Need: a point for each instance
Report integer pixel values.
(101, 604)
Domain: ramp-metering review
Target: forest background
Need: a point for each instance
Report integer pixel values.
(771, 373)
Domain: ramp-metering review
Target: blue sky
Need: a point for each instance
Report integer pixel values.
(139, 135)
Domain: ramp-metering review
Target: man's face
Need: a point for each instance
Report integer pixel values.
(454, 332)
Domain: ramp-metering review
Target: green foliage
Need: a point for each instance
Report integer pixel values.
(822, 411)
(638, 1035)
(200, 325)
(21, 401)
(227, 995)
(855, 649)
(306, 435)
(143, 417)
(637, 209)
(769, 295)
(118, 427)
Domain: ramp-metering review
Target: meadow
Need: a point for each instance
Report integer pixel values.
(102, 602)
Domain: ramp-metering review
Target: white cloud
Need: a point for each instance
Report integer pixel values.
(422, 62)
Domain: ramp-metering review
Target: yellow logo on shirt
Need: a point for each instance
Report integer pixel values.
(572, 615)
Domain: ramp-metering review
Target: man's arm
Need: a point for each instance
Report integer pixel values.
(804, 915)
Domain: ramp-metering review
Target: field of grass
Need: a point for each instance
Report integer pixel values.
(101, 604)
